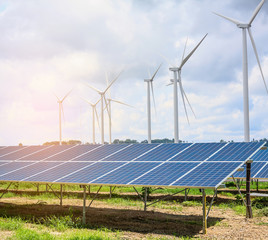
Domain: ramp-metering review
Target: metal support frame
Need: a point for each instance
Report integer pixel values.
(257, 183)
(204, 212)
(88, 189)
(5, 191)
(146, 195)
(238, 188)
(248, 201)
(59, 197)
(215, 194)
(111, 191)
(94, 197)
(84, 206)
(186, 192)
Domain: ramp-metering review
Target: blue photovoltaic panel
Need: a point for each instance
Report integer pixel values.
(73, 153)
(165, 174)
(90, 173)
(255, 167)
(52, 150)
(263, 173)
(198, 152)
(61, 170)
(208, 174)
(22, 152)
(132, 152)
(236, 151)
(126, 173)
(260, 156)
(10, 149)
(102, 152)
(11, 166)
(164, 152)
(31, 169)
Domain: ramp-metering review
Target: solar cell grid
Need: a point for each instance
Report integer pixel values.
(10, 149)
(263, 173)
(260, 156)
(236, 151)
(198, 152)
(104, 152)
(90, 173)
(163, 152)
(56, 172)
(208, 174)
(47, 153)
(12, 166)
(28, 170)
(132, 152)
(126, 173)
(73, 153)
(23, 152)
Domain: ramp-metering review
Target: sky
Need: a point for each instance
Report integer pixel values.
(48, 47)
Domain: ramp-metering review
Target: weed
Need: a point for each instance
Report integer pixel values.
(191, 203)
(10, 224)
(28, 234)
(263, 212)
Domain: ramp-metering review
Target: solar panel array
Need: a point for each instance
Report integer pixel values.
(200, 165)
(259, 167)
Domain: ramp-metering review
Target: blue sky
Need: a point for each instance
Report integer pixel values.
(49, 47)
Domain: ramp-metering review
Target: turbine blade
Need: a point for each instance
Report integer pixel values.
(111, 83)
(87, 101)
(97, 116)
(95, 89)
(191, 53)
(184, 105)
(156, 72)
(113, 100)
(169, 84)
(258, 8)
(67, 95)
(56, 96)
(227, 18)
(107, 83)
(152, 89)
(106, 106)
(184, 50)
(169, 63)
(257, 57)
(188, 102)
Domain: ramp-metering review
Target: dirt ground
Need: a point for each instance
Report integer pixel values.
(134, 223)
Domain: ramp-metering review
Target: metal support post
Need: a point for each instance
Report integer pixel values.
(5, 191)
(186, 191)
(238, 188)
(95, 196)
(46, 188)
(84, 206)
(204, 212)
(89, 189)
(110, 192)
(37, 187)
(61, 194)
(145, 198)
(257, 185)
(249, 210)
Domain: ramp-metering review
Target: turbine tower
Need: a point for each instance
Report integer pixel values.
(109, 109)
(94, 113)
(246, 27)
(149, 89)
(177, 79)
(61, 111)
(102, 99)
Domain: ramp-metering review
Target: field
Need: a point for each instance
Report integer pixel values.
(26, 214)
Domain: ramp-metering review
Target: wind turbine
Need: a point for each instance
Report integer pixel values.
(103, 98)
(177, 79)
(150, 86)
(60, 101)
(244, 27)
(109, 109)
(94, 113)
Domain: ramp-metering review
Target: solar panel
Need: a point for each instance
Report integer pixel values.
(204, 165)
(10, 149)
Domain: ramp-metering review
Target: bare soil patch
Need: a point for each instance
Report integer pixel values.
(134, 223)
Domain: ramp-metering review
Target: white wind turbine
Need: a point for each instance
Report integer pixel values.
(177, 79)
(150, 86)
(60, 101)
(103, 98)
(109, 109)
(244, 27)
(94, 113)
